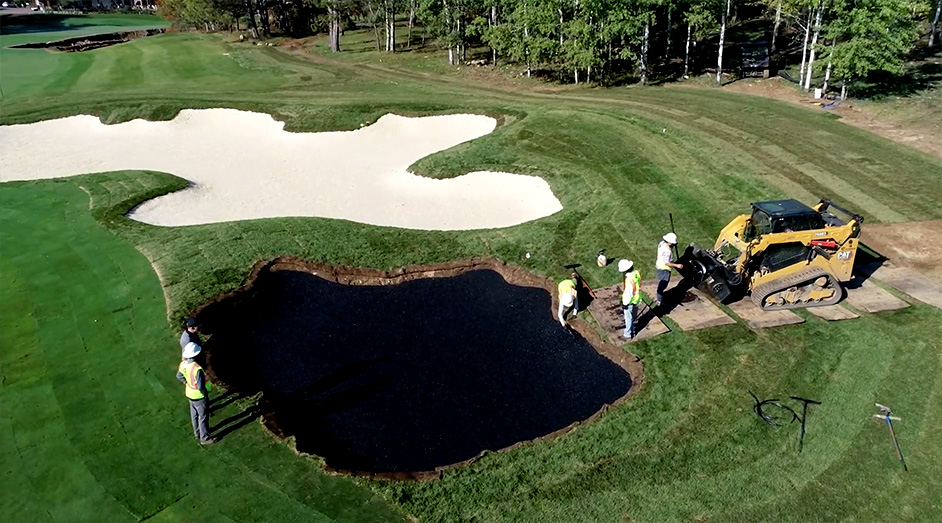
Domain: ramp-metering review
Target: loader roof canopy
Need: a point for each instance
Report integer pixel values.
(784, 208)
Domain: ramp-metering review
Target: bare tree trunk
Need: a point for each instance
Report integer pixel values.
(389, 13)
(935, 23)
(576, 74)
(263, 17)
(843, 91)
(644, 54)
(526, 38)
(411, 21)
(561, 22)
(670, 29)
(334, 26)
(719, 58)
(687, 53)
(778, 21)
(493, 23)
(373, 24)
(827, 74)
(804, 48)
(814, 41)
(250, 4)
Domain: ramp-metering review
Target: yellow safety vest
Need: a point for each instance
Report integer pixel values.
(632, 294)
(190, 372)
(567, 287)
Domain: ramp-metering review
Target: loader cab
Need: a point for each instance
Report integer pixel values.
(782, 216)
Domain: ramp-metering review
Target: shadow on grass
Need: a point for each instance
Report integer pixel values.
(44, 23)
(236, 421)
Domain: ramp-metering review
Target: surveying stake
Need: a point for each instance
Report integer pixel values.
(889, 423)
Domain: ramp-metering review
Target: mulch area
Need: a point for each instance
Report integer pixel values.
(407, 373)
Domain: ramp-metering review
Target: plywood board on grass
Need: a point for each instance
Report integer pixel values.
(606, 309)
(911, 282)
(870, 297)
(692, 311)
(757, 318)
(833, 313)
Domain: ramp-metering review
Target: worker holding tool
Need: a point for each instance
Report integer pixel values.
(197, 391)
(568, 298)
(631, 295)
(665, 261)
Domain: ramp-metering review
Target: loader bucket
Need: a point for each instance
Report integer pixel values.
(703, 271)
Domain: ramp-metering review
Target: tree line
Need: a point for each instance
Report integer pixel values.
(604, 41)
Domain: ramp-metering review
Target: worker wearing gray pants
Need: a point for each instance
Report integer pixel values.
(663, 265)
(197, 391)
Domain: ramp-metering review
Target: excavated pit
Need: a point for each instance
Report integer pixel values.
(89, 42)
(406, 373)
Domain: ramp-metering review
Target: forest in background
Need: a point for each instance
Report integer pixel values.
(835, 44)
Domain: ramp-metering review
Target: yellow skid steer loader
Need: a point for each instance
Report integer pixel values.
(785, 254)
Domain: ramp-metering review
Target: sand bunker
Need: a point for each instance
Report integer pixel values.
(244, 166)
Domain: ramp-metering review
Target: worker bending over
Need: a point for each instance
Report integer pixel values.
(631, 296)
(197, 391)
(568, 298)
(663, 265)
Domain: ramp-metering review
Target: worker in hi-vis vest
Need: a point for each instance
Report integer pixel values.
(665, 261)
(568, 298)
(631, 296)
(197, 391)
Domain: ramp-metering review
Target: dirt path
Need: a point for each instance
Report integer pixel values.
(912, 244)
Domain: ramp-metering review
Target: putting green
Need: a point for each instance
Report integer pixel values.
(93, 423)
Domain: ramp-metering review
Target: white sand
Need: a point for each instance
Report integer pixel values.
(244, 165)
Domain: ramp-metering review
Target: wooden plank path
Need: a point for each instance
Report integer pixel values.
(908, 281)
(606, 309)
(833, 312)
(689, 308)
(870, 297)
(757, 318)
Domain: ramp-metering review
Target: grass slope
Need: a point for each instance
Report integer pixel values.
(94, 422)
(687, 448)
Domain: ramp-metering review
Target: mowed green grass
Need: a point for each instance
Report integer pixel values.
(688, 447)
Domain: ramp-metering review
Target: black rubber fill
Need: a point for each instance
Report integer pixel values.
(407, 377)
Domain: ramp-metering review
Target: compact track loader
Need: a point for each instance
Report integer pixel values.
(785, 254)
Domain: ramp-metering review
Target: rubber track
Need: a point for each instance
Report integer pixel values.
(762, 291)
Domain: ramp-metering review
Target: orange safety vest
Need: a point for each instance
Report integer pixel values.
(190, 372)
(632, 294)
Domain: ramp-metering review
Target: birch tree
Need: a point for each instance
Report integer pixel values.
(933, 30)
(819, 12)
(719, 57)
(701, 21)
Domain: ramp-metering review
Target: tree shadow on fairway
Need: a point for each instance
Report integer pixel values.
(43, 23)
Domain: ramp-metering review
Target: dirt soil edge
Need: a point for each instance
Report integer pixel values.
(348, 275)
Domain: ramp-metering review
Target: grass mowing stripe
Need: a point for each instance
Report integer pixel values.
(132, 436)
(68, 72)
(125, 69)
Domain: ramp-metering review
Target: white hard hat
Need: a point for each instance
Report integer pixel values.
(568, 300)
(625, 265)
(191, 350)
(670, 237)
